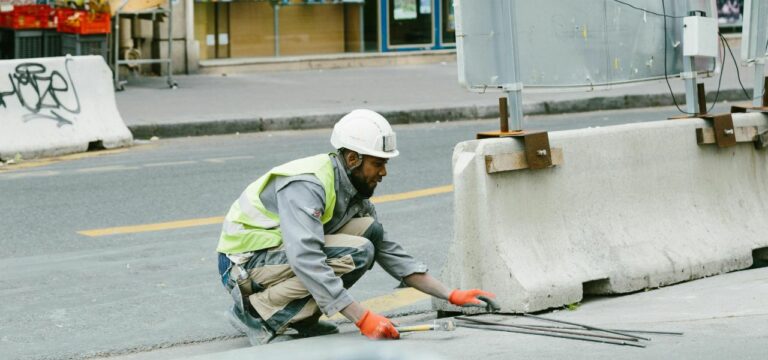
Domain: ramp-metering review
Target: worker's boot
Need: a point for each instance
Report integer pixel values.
(314, 327)
(257, 331)
(241, 319)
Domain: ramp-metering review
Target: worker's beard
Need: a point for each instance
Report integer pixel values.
(362, 187)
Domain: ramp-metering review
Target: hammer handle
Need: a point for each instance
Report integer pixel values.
(427, 327)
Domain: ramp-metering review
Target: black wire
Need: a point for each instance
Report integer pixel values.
(648, 11)
(666, 77)
(720, 79)
(736, 65)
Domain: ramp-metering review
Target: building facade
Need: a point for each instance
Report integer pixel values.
(276, 28)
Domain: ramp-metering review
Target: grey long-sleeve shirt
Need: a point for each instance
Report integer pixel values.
(297, 200)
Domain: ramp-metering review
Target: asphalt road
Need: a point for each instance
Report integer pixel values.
(65, 294)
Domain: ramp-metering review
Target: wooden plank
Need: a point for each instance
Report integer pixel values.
(515, 161)
(743, 134)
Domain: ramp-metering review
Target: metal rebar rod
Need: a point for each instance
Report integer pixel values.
(533, 332)
(587, 327)
(554, 330)
(623, 330)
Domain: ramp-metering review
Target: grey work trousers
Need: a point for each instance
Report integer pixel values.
(280, 298)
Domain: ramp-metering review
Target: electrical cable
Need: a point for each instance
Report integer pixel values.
(648, 11)
(738, 74)
(722, 68)
(666, 75)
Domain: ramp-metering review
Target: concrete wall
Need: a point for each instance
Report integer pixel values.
(54, 106)
(633, 207)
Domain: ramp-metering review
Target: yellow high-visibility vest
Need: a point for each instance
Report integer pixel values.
(249, 226)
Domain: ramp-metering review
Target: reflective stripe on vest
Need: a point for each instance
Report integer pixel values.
(249, 226)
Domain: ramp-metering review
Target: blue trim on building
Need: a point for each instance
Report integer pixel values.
(437, 35)
(437, 16)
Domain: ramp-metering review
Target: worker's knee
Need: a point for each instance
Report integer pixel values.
(366, 254)
(375, 232)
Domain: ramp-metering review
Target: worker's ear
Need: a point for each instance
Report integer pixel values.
(353, 159)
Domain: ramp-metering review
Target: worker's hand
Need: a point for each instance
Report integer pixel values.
(470, 297)
(376, 326)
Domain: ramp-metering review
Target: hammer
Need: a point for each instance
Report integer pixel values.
(447, 325)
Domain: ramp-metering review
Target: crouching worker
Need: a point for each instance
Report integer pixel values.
(303, 233)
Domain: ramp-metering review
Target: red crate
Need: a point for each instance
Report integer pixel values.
(82, 22)
(27, 17)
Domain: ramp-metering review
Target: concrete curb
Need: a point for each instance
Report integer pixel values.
(411, 116)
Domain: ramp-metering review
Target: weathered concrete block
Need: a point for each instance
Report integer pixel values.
(53, 106)
(632, 207)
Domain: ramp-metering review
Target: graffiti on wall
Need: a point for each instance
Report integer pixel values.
(43, 94)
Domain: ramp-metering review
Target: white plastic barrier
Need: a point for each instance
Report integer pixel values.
(53, 106)
(631, 207)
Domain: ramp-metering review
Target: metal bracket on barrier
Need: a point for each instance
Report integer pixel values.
(537, 154)
(722, 131)
(520, 160)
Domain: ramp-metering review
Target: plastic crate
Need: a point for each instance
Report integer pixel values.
(51, 43)
(28, 44)
(21, 44)
(27, 17)
(82, 22)
(76, 45)
(6, 44)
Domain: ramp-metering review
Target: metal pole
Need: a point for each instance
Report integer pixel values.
(170, 44)
(514, 91)
(216, 29)
(277, 28)
(760, 85)
(116, 54)
(362, 27)
(691, 90)
(702, 96)
(503, 115)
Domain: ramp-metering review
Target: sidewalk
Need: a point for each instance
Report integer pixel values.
(283, 100)
(721, 317)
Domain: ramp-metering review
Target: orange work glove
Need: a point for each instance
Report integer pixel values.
(376, 326)
(469, 297)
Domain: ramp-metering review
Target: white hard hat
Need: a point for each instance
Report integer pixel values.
(365, 132)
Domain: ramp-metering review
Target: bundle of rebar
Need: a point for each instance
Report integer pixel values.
(573, 331)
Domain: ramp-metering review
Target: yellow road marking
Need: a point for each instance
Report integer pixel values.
(219, 219)
(225, 159)
(172, 163)
(152, 227)
(28, 164)
(107, 169)
(398, 299)
(20, 175)
(412, 194)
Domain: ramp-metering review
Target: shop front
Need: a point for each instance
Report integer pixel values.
(279, 28)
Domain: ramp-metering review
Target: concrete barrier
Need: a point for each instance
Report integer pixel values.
(61, 105)
(631, 207)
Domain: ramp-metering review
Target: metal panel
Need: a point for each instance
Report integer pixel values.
(566, 43)
(754, 38)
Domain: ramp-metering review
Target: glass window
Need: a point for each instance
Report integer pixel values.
(449, 23)
(410, 22)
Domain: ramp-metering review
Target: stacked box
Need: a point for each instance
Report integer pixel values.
(76, 44)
